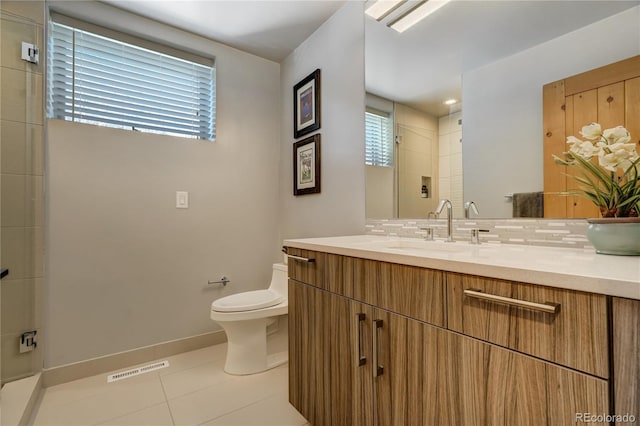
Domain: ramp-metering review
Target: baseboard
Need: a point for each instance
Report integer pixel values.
(19, 399)
(109, 363)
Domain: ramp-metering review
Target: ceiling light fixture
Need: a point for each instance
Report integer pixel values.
(379, 9)
(450, 102)
(416, 14)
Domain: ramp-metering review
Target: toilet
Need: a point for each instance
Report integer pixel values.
(245, 317)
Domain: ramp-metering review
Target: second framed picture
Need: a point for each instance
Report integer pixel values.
(306, 105)
(306, 166)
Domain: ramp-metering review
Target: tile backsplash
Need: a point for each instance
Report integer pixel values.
(541, 232)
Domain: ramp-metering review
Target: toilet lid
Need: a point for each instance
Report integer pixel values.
(247, 301)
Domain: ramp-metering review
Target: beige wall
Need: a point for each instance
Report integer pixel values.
(337, 48)
(379, 195)
(21, 152)
(125, 268)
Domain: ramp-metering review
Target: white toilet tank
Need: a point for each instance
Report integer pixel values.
(279, 279)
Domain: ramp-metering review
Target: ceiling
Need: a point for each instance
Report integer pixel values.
(420, 67)
(269, 29)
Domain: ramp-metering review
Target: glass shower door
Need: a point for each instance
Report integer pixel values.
(21, 188)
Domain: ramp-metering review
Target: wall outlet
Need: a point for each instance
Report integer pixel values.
(30, 53)
(28, 341)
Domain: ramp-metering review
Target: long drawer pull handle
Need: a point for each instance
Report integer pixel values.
(548, 307)
(303, 259)
(361, 359)
(377, 368)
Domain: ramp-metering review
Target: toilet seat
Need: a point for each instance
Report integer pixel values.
(247, 301)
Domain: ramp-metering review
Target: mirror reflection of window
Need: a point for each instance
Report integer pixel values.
(379, 138)
(379, 160)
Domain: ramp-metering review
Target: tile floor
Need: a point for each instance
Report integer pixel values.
(193, 390)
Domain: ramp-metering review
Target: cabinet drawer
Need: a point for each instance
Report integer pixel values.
(575, 336)
(306, 266)
(338, 274)
(418, 293)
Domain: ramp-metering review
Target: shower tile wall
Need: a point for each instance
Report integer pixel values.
(21, 184)
(450, 160)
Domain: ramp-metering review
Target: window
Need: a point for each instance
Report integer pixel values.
(100, 80)
(378, 138)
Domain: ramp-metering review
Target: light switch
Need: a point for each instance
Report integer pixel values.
(182, 200)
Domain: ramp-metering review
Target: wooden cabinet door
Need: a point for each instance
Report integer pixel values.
(306, 372)
(390, 365)
(404, 380)
(363, 392)
(490, 385)
(320, 355)
(338, 355)
(626, 357)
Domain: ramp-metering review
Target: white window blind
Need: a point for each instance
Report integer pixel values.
(378, 139)
(98, 80)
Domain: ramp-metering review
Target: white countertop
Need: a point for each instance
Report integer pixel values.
(575, 269)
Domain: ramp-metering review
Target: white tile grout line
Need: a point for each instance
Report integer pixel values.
(137, 371)
(166, 400)
(239, 408)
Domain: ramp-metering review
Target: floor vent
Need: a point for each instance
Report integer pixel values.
(137, 371)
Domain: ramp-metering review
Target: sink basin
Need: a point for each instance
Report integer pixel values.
(420, 245)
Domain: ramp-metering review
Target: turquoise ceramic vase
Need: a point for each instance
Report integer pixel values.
(618, 236)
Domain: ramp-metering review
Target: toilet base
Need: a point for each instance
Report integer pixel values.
(247, 348)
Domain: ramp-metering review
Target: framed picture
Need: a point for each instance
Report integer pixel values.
(306, 105)
(306, 166)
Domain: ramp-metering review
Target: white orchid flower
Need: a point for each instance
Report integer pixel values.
(584, 149)
(617, 155)
(592, 131)
(617, 135)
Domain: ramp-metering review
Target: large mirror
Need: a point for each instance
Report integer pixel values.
(493, 57)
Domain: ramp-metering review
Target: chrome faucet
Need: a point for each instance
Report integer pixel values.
(473, 206)
(441, 205)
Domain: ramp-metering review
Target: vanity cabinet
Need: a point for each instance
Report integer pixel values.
(376, 343)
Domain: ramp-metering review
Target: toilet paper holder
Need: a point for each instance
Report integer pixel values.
(223, 280)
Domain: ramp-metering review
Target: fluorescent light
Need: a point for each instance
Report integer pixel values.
(416, 14)
(381, 8)
(450, 101)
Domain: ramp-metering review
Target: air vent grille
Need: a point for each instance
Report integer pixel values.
(137, 371)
